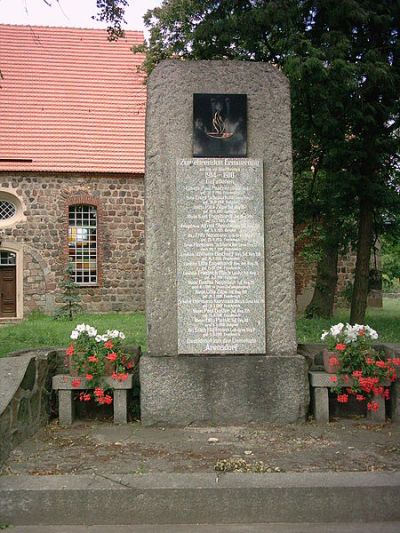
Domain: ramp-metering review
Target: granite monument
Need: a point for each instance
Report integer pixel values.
(220, 301)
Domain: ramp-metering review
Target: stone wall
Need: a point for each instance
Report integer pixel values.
(25, 385)
(43, 234)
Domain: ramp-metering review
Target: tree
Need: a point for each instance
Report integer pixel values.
(70, 296)
(342, 59)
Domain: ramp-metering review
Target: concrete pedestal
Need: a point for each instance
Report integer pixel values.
(223, 389)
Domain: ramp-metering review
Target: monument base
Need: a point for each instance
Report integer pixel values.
(224, 389)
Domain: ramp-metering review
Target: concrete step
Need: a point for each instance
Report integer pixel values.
(200, 498)
(348, 527)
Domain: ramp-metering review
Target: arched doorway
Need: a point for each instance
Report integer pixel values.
(8, 284)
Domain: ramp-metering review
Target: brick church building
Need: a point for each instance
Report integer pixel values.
(72, 142)
(72, 115)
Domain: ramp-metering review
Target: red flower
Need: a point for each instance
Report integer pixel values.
(75, 382)
(119, 377)
(342, 398)
(98, 392)
(380, 364)
(112, 356)
(89, 377)
(360, 397)
(372, 406)
(333, 361)
(108, 399)
(92, 359)
(378, 391)
(85, 397)
(386, 394)
(357, 374)
(70, 350)
(108, 345)
(369, 361)
(395, 361)
(340, 347)
(333, 379)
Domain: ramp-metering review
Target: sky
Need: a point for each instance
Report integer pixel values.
(75, 13)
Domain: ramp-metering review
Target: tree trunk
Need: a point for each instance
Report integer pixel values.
(361, 276)
(323, 298)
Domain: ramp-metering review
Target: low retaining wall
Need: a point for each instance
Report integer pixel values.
(25, 385)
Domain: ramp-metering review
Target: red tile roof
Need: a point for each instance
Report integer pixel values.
(70, 100)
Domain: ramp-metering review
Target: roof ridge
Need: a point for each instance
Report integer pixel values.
(83, 28)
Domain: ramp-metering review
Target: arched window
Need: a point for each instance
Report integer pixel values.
(82, 243)
(11, 209)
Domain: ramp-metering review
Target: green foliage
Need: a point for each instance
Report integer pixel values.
(390, 263)
(342, 59)
(70, 297)
(112, 12)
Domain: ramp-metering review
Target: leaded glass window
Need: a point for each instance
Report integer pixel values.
(82, 243)
(7, 210)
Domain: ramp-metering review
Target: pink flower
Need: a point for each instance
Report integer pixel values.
(357, 374)
(108, 345)
(380, 364)
(340, 347)
(75, 382)
(333, 361)
(369, 361)
(112, 356)
(360, 397)
(92, 359)
(342, 398)
(333, 379)
(89, 377)
(395, 361)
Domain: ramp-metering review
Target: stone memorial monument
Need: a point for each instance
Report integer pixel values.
(220, 301)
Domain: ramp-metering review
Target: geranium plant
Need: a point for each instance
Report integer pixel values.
(361, 371)
(94, 357)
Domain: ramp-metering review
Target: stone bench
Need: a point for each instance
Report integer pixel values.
(320, 383)
(66, 405)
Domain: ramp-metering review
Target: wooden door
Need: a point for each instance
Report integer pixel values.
(8, 291)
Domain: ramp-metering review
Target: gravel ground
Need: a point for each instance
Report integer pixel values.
(98, 446)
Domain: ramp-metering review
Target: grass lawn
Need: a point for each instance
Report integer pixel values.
(39, 331)
(385, 321)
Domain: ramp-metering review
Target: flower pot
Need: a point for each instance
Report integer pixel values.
(328, 367)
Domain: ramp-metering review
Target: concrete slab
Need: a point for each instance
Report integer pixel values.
(200, 498)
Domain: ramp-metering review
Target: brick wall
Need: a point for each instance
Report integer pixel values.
(305, 273)
(120, 203)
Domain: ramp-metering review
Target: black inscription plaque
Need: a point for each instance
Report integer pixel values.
(219, 125)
